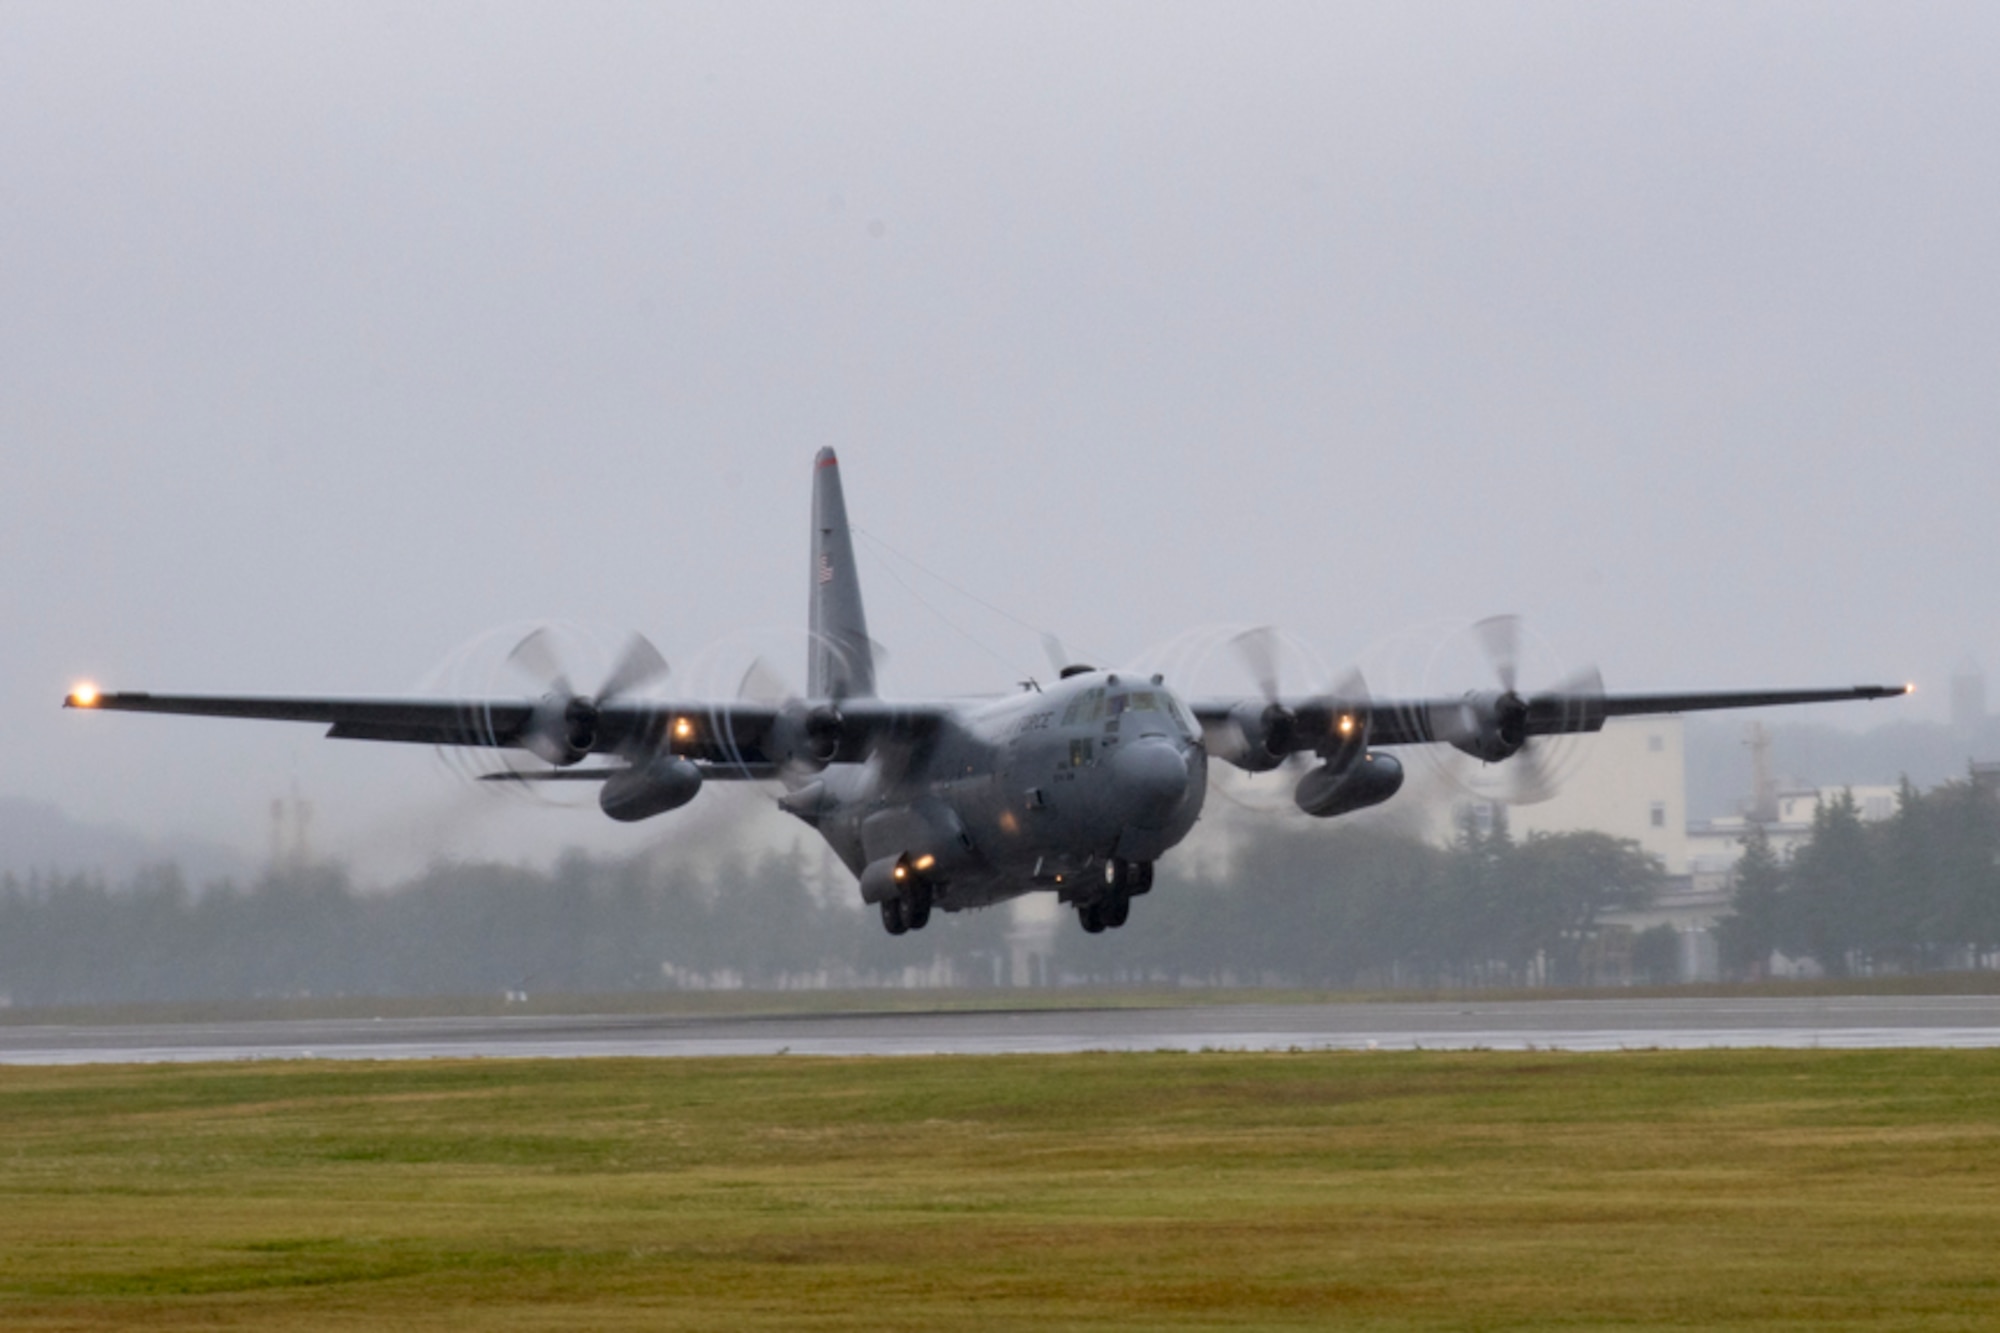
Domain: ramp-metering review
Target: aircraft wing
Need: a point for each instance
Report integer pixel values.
(419, 721)
(1419, 721)
(732, 736)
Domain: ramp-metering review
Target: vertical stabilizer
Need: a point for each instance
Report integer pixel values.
(840, 662)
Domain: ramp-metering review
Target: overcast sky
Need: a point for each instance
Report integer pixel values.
(334, 336)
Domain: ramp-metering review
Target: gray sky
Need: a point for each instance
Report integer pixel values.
(334, 336)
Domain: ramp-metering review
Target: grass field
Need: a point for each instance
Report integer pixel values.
(1365, 1190)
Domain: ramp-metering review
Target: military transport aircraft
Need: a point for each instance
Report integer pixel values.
(1076, 788)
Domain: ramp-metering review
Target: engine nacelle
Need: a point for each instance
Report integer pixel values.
(664, 782)
(1486, 726)
(560, 730)
(1329, 790)
(1267, 732)
(806, 738)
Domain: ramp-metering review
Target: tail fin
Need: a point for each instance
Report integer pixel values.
(840, 661)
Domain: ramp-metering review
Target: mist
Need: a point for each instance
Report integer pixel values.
(336, 335)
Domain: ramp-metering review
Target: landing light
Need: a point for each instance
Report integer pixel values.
(1347, 724)
(83, 696)
(682, 728)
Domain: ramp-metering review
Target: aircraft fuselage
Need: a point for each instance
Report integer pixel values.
(1048, 789)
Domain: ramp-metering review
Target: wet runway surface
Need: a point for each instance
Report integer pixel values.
(1577, 1025)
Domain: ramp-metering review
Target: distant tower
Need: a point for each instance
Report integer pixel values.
(1763, 787)
(302, 813)
(290, 819)
(1968, 695)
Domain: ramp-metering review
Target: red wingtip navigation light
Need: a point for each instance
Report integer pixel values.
(83, 696)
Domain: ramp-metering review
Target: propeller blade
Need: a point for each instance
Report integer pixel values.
(1574, 700)
(639, 666)
(1530, 778)
(1500, 637)
(1258, 649)
(1352, 689)
(1587, 683)
(535, 657)
(761, 684)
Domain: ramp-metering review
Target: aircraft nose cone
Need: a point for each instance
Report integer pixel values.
(1152, 782)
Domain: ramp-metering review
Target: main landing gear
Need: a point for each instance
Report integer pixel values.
(910, 911)
(1123, 881)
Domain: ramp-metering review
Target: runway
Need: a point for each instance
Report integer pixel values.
(1572, 1025)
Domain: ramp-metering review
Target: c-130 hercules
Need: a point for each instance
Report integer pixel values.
(1078, 788)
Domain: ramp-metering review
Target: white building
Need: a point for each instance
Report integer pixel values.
(1716, 846)
(1628, 780)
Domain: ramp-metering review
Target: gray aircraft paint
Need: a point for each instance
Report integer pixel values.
(1008, 802)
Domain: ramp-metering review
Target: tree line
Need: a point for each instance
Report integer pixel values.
(1917, 892)
(1297, 907)
(1299, 904)
(1352, 907)
(584, 925)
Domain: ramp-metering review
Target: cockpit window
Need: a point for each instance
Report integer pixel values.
(1137, 701)
(1086, 708)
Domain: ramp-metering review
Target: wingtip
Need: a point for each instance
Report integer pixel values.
(826, 458)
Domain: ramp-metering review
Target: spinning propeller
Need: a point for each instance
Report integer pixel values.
(1503, 727)
(566, 725)
(803, 735)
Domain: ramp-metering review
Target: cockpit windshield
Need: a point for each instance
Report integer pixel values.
(1097, 703)
(1152, 701)
(1085, 708)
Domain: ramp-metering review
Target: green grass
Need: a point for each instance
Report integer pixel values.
(1190, 1191)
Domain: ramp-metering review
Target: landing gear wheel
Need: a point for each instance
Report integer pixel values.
(1114, 909)
(1117, 874)
(917, 910)
(893, 919)
(1091, 918)
(1142, 878)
